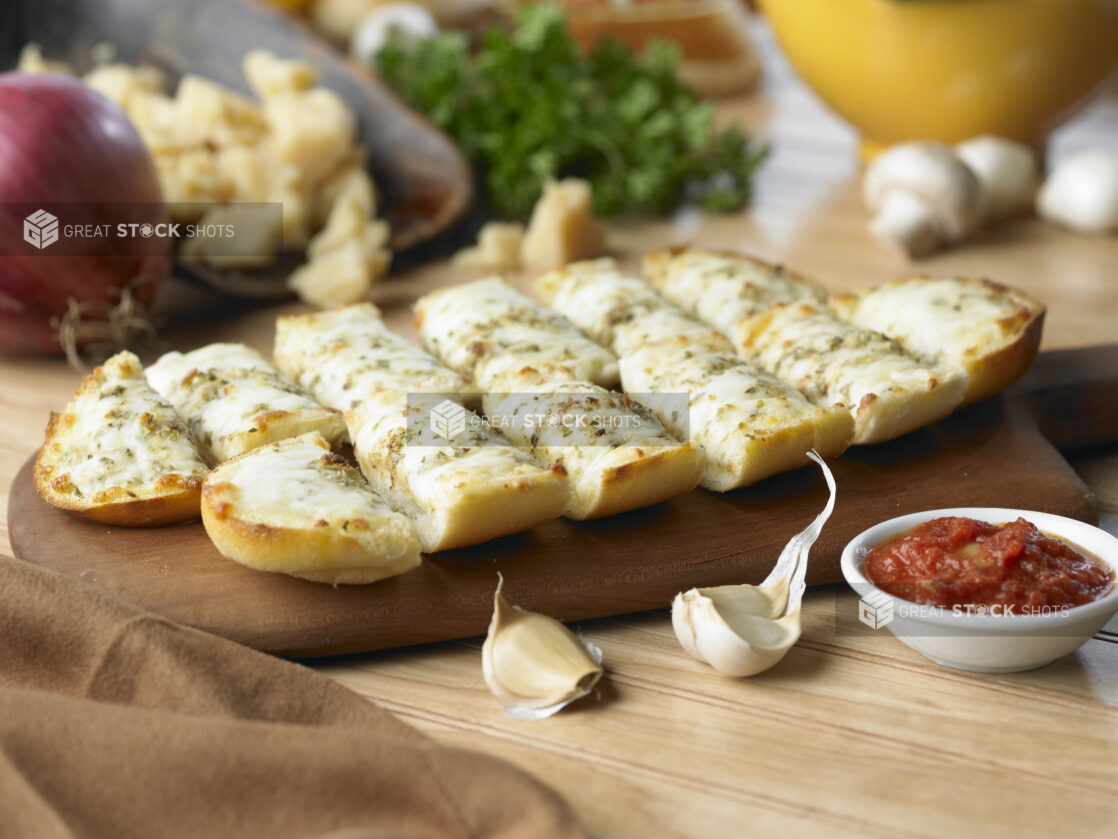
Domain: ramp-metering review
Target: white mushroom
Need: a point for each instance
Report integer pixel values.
(922, 196)
(1006, 171)
(404, 23)
(1082, 193)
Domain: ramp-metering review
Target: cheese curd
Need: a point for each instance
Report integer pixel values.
(217, 151)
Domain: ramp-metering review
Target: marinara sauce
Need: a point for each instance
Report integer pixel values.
(957, 561)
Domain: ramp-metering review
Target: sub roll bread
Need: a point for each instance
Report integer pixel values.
(529, 362)
(118, 453)
(780, 321)
(747, 424)
(459, 488)
(234, 400)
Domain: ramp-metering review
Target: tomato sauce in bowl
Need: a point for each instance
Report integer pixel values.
(1014, 567)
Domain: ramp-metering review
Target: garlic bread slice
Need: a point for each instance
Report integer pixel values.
(745, 422)
(987, 330)
(295, 507)
(616, 454)
(474, 488)
(342, 355)
(620, 311)
(724, 288)
(119, 454)
(529, 361)
(886, 390)
(488, 330)
(234, 400)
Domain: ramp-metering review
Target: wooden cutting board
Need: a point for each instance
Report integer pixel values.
(993, 454)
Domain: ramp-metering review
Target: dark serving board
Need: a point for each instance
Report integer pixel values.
(992, 454)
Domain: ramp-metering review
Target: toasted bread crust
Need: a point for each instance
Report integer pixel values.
(644, 476)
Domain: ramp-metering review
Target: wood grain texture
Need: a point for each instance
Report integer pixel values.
(987, 455)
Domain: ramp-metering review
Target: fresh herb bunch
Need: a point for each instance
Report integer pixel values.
(528, 105)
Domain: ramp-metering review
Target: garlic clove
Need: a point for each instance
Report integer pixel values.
(743, 630)
(533, 663)
(732, 629)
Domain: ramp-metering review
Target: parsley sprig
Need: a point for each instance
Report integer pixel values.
(527, 105)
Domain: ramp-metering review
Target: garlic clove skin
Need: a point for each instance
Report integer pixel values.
(1007, 172)
(403, 23)
(742, 630)
(1082, 193)
(533, 663)
(732, 628)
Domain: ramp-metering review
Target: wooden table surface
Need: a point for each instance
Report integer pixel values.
(853, 734)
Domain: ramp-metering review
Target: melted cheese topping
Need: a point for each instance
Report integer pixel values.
(434, 477)
(343, 355)
(619, 311)
(488, 330)
(575, 424)
(724, 289)
(118, 432)
(224, 390)
(299, 483)
(831, 361)
(664, 352)
(948, 321)
(730, 399)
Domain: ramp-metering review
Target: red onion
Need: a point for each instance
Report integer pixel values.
(64, 144)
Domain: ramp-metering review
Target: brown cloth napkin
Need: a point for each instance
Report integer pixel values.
(117, 723)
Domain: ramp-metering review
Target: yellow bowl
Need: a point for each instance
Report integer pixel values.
(950, 69)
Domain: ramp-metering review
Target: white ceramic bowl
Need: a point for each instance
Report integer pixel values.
(984, 643)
